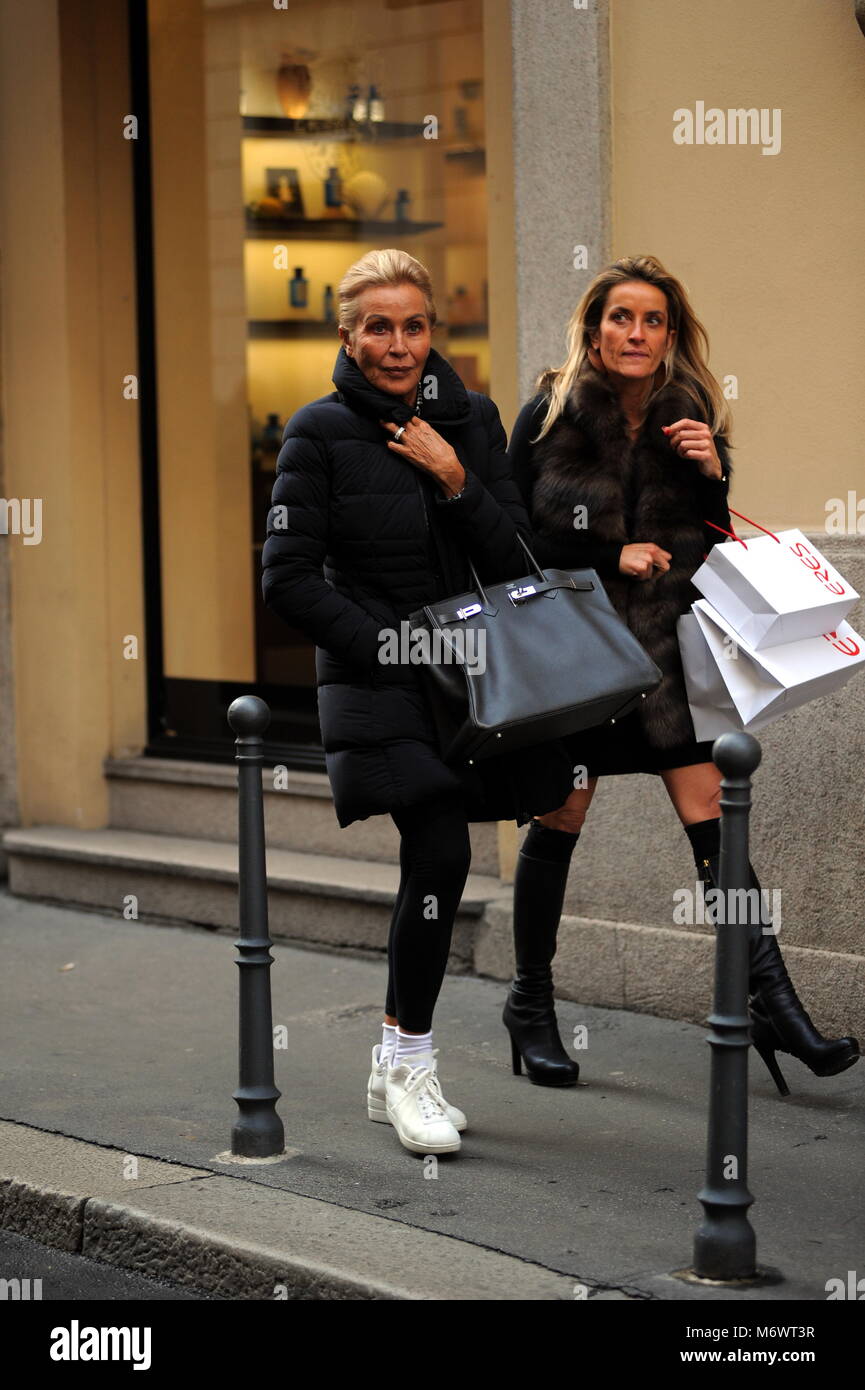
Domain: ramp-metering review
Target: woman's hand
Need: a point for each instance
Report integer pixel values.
(693, 440)
(421, 445)
(642, 559)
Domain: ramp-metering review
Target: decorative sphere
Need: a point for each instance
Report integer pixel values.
(737, 755)
(248, 715)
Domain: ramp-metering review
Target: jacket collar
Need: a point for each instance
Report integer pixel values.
(594, 404)
(448, 405)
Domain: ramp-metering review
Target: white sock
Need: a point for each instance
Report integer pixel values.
(409, 1046)
(388, 1041)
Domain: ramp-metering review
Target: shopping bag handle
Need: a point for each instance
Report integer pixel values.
(732, 534)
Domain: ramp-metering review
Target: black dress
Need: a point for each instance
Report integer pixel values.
(620, 748)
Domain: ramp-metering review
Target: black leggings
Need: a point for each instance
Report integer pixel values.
(434, 856)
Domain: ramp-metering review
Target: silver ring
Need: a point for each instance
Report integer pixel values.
(399, 434)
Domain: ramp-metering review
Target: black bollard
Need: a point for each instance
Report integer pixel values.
(725, 1244)
(258, 1131)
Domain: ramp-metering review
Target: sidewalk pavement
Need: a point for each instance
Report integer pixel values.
(119, 1042)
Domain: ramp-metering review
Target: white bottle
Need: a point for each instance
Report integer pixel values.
(376, 105)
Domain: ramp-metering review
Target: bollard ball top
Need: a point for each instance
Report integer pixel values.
(248, 716)
(737, 755)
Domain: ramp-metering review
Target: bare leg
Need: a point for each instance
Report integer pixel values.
(571, 815)
(694, 791)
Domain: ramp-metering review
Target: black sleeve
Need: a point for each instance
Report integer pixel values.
(293, 555)
(576, 550)
(488, 514)
(526, 426)
(712, 498)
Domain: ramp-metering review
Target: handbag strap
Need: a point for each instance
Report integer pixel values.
(517, 597)
(518, 594)
(478, 587)
(531, 557)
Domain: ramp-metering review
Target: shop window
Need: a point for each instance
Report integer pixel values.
(287, 142)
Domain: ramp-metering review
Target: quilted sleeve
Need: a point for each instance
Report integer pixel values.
(292, 580)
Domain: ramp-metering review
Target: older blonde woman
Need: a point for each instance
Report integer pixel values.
(384, 488)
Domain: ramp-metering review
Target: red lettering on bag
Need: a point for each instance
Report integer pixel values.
(843, 644)
(813, 564)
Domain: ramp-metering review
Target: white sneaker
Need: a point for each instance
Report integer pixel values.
(416, 1110)
(376, 1100)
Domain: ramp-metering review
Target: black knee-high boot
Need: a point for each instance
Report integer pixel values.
(779, 1022)
(529, 1015)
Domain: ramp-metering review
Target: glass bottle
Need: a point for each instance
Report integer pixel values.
(271, 434)
(333, 190)
(376, 105)
(298, 289)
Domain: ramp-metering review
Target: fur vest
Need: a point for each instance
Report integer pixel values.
(632, 491)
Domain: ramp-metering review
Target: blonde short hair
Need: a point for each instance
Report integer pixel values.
(377, 268)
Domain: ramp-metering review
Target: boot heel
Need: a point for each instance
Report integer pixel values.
(516, 1059)
(768, 1054)
(780, 1022)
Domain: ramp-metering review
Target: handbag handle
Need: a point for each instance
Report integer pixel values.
(479, 586)
(531, 557)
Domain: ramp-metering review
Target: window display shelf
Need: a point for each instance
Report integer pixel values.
(465, 330)
(339, 128)
(291, 328)
(333, 228)
(470, 154)
(320, 328)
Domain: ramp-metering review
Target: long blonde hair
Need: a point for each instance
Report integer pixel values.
(377, 268)
(686, 362)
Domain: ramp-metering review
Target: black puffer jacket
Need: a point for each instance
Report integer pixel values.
(357, 538)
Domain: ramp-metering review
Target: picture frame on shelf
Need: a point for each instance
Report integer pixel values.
(284, 185)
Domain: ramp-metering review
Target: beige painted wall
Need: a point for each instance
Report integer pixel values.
(70, 437)
(769, 246)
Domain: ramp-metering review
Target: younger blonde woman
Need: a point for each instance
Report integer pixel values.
(622, 459)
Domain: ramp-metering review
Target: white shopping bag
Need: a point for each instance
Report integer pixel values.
(732, 686)
(775, 589)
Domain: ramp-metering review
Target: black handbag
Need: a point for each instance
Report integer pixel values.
(527, 661)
